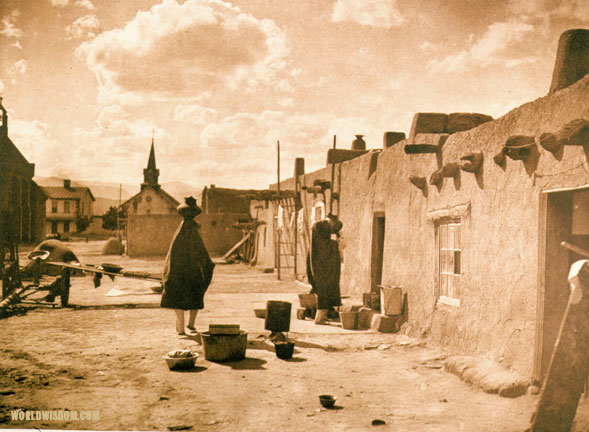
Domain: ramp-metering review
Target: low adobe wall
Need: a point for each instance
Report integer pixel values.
(217, 231)
(151, 235)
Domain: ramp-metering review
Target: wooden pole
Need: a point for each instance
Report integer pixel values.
(118, 210)
(332, 180)
(278, 233)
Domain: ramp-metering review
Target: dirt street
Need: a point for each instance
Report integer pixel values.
(105, 357)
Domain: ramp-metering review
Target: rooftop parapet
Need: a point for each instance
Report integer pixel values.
(440, 123)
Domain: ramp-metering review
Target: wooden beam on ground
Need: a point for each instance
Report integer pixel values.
(569, 364)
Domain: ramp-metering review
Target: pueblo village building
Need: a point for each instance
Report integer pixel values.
(64, 205)
(467, 215)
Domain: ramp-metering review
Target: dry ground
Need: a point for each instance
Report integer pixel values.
(105, 356)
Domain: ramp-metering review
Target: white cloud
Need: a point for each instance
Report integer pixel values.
(185, 49)
(375, 13)
(59, 3)
(115, 141)
(574, 10)
(85, 4)
(243, 146)
(79, 27)
(286, 102)
(9, 28)
(1, 86)
(428, 46)
(196, 114)
(236, 151)
(394, 84)
(19, 68)
(36, 142)
(495, 47)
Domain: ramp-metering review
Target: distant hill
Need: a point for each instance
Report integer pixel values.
(107, 194)
(99, 189)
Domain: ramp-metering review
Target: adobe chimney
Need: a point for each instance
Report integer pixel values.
(572, 59)
(67, 184)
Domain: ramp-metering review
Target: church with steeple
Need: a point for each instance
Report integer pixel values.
(151, 199)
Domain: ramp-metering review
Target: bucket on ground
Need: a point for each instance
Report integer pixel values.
(277, 316)
(349, 320)
(391, 300)
(284, 349)
(224, 347)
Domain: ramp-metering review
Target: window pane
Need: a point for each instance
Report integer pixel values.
(456, 262)
(450, 263)
(457, 242)
(443, 236)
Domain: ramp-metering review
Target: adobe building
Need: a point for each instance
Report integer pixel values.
(64, 205)
(22, 202)
(467, 215)
(224, 209)
(151, 214)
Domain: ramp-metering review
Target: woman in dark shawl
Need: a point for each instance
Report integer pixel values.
(324, 266)
(188, 269)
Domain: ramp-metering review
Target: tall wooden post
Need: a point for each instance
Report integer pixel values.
(278, 231)
(332, 180)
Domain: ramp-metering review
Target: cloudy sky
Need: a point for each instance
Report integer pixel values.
(87, 81)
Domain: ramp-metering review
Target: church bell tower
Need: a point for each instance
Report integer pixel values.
(151, 173)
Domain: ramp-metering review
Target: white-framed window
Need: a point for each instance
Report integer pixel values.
(53, 207)
(66, 207)
(449, 261)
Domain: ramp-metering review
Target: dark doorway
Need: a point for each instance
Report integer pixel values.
(564, 218)
(378, 229)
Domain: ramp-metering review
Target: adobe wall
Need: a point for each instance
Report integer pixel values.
(497, 314)
(217, 232)
(500, 211)
(151, 235)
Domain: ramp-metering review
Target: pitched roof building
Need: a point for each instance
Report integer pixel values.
(64, 205)
(151, 199)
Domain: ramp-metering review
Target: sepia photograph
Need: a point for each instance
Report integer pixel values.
(311, 215)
